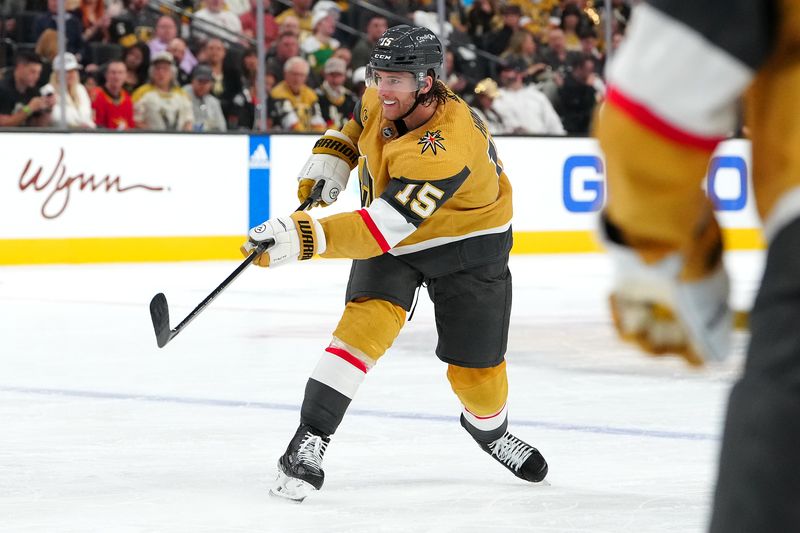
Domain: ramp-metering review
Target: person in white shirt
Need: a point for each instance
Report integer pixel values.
(524, 108)
(78, 109)
(223, 24)
(161, 104)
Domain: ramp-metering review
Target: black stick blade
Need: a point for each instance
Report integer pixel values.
(159, 312)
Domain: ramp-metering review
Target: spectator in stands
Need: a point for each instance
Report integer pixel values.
(74, 27)
(19, 99)
(112, 105)
(184, 59)
(95, 21)
(166, 30)
(482, 19)
(78, 108)
(249, 67)
(137, 62)
(296, 104)
(47, 49)
(136, 22)
(301, 9)
(161, 104)
(524, 108)
(572, 24)
(589, 48)
(453, 78)
(239, 7)
(289, 24)
(287, 46)
(8, 10)
(556, 54)
(249, 21)
(214, 21)
(523, 48)
(227, 77)
(485, 93)
(206, 108)
(335, 100)
(319, 46)
(497, 41)
(577, 96)
(376, 26)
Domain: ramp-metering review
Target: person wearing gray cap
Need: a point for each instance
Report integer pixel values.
(207, 110)
(336, 101)
(161, 104)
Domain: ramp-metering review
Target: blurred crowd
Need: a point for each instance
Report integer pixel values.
(526, 66)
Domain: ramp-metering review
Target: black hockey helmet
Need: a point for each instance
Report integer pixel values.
(407, 48)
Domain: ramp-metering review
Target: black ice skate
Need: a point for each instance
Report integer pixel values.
(300, 468)
(522, 459)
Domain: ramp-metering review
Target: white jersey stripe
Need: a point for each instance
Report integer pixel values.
(392, 225)
(704, 102)
(438, 241)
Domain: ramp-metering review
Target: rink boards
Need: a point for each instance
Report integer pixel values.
(94, 197)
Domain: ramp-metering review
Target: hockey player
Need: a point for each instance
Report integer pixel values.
(674, 89)
(436, 210)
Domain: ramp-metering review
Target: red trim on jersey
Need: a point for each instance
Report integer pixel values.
(347, 356)
(373, 229)
(641, 114)
(485, 417)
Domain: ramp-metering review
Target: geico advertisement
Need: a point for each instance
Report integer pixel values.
(104, 185)
(559, 184)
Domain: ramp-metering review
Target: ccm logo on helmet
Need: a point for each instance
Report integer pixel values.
(381, 56)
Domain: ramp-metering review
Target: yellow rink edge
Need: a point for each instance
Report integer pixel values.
(146, 249)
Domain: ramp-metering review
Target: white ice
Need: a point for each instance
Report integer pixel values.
(101, 431)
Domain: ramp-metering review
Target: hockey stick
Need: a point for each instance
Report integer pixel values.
(159, 310)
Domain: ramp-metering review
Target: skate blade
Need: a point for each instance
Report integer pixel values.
(290, 489)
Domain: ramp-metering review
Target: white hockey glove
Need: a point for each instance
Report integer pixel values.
(331, 161)
(652, 306)
(294, 238)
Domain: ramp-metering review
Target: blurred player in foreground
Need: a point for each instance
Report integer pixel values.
(437, 211)
(674, 88)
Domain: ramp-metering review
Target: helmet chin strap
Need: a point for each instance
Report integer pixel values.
(413, 107)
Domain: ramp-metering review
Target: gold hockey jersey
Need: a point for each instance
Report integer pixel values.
(436, 194)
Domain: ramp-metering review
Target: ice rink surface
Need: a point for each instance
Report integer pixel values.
(101, 431)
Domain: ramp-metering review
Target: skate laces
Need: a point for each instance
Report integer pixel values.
(312, 449)
(510, 450)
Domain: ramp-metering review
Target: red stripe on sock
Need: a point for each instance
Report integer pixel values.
(347, 356)
(485, 417)
(647, 119)
(373, 229)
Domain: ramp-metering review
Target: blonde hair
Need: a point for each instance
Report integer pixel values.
(72, 92)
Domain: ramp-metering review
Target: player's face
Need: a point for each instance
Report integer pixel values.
(396, 91)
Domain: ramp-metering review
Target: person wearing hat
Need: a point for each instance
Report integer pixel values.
(320, 45)
(336, 101)
(78, 109)
(524, 108)
(206, 108)
(485, 93)
(161, 104)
